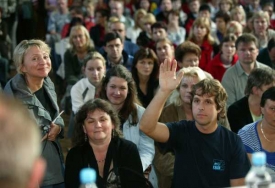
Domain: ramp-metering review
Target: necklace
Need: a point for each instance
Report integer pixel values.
(100, 161)
(263, 133)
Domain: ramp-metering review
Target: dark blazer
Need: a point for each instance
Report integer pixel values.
(239, 115)
(122, 151)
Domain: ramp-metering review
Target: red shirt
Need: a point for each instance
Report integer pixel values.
(206, 54)
(216, 67)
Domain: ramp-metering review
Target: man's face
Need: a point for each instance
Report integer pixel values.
(158, 33)
(119, 28)
(164, 51)
(247, 52)
(204, 110)
(116, 8)
(114, 50)
(204, 14)
(166, 5)
(272, 54)
(221, 25)
(194, 6)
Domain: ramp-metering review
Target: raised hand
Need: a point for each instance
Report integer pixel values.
(168, 79)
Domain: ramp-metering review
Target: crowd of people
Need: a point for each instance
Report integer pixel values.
(160, 93)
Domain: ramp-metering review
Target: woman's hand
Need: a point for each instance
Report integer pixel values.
(168, 80)
(54, 131)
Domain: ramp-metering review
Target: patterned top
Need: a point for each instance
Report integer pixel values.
(252, 143)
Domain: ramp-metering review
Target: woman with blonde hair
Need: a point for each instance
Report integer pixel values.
(133, 32)
(234, 27)
(33, 86)
(144, 37)
(238, 14)
(81, 45)
(260, 21)
(200, 34)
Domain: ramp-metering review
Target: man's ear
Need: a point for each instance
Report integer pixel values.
(37, 173)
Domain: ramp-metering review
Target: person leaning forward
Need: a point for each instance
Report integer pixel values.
(206, 154)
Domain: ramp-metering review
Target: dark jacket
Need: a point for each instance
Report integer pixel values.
(124, 155)
(239, 115)
(127, 60)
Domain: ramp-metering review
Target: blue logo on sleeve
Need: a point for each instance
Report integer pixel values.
(218, 165)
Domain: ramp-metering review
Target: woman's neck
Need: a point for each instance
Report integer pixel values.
(199, 41)
(173, 26)
(143, 79)
(34, 83)
(226, 60)
(101, 146)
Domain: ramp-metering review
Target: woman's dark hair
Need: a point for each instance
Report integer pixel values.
(88, 107)
(129, 106)
(145, 53)
(268, 94)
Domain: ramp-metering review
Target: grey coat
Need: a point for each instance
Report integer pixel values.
(18, 88)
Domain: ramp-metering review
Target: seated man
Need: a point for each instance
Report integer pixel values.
(235, 78)
(248, 109)
(114, 53)
(20, 139)
(267, 55)
(206, 154)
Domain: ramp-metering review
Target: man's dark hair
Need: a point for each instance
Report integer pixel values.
(204, 7)
(103, 12)
(246, 38)
(223, 15)
(159, 25)
(111, 36)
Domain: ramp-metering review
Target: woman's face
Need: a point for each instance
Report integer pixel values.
(98, 126)
(144, 4)
(145, 67)
(94, 71)
(186, 87)
(200, 32)
(268, 112)
(79, 39)
(146, 26)
(36, 63)
(173, 18)
(225, 7)
(116, 91)
(238, 16)
(228, 49)
(260, 25)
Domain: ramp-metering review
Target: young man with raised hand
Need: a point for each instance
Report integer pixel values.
(206, 154)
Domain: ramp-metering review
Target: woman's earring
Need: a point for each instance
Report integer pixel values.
(113, 133)
(85, 137)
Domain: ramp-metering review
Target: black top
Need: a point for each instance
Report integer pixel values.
(128, 162)
(239, 115)
(205, 160)
(146, 99)
(44, 99)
